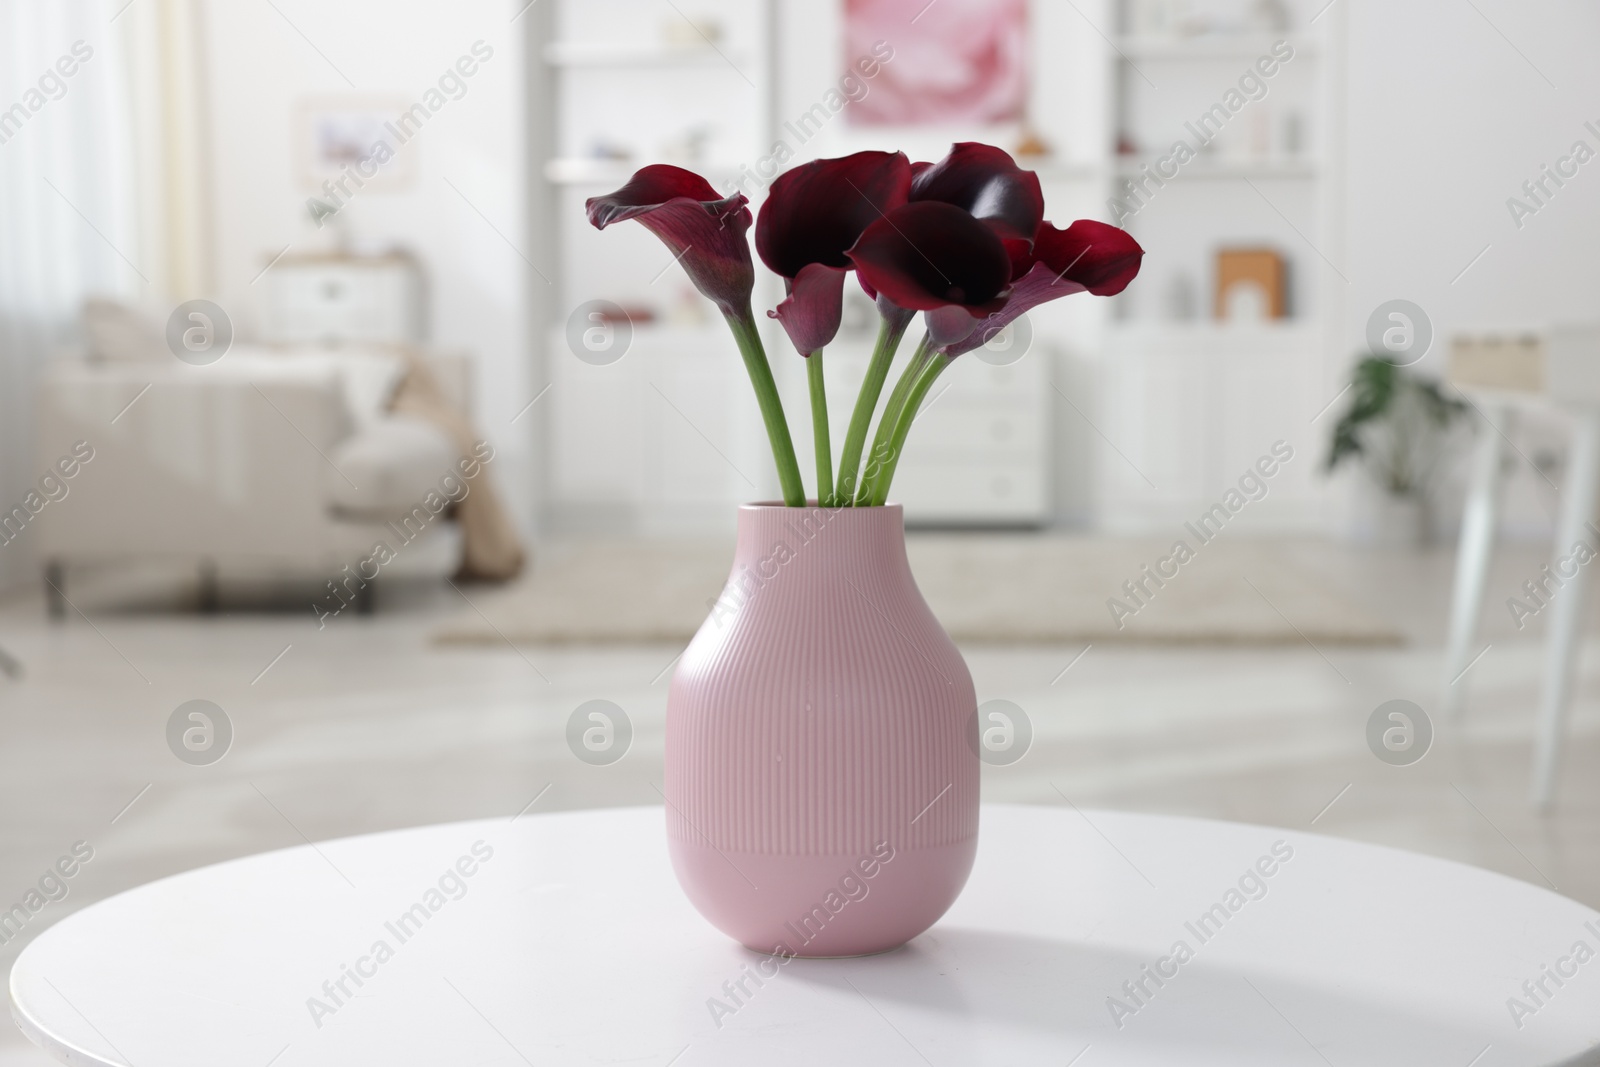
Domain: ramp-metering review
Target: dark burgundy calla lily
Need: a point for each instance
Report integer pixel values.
(1087, 256)
(930, 255)
(988, 184)
(704, 230)
(813, 215)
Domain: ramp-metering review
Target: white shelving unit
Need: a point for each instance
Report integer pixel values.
(610, 173)
(667, 439)
(634, 54)
(1121, 418)
(1246, 45)
(1263, 167)
(1195, 401)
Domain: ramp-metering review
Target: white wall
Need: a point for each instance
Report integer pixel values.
(1446, 121)
(261, 64)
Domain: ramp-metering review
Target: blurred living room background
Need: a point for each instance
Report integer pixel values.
(274, 274)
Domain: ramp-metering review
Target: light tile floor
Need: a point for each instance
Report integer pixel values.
(365, 726)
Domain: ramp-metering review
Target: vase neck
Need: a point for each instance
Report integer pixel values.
(814, 541)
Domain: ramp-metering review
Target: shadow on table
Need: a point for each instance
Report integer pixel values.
(952, 984)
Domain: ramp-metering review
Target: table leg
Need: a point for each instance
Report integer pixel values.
(1478, 524)
(1566, 623)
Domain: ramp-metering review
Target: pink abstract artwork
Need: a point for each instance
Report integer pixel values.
(960, 61)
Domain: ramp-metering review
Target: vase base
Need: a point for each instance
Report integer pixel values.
(823, 906)
(813, 956)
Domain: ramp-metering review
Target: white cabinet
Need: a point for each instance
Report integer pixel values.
(666, 441)
(334, 298)
(978, 453)
(1190, 410)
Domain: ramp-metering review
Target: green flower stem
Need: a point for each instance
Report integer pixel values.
(891, 412)
(743, 324)
(902, 428)
(855, 438)
(819, 429)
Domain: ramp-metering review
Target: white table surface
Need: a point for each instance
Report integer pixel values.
(573, 945)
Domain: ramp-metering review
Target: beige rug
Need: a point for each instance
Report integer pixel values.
(1013, 588)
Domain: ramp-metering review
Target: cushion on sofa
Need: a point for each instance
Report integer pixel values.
(387, 468)
(369, 374)
(118, 332)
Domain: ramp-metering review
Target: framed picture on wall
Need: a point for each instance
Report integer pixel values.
(363, 135)
(955, 61)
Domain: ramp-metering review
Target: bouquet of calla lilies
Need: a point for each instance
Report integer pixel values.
(963, 241)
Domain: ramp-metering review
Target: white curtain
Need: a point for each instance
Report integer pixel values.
(69, 196)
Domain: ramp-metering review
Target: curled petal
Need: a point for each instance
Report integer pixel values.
(816, 211)
(1021, 253)
(810, 313)
(1087, 256)
(987, 182)
(706, 232)
(1101, 258)
(648, 189)
(1036, 287)
(929, 255)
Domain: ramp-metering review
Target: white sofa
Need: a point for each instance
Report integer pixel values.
(267, 462)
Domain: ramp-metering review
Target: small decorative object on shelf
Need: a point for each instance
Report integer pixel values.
(1270, 15)
(683, 32)
(1294, 134)
(1030, 145)
(1180, 295)
(821, 762)
(1251, 285)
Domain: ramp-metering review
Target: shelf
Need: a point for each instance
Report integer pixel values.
(1245, 46)
(579, 171)
(609, 54)
(663, 332)
(1230, 168)
(1050, 171)
(1209, 337)
(1211, 328)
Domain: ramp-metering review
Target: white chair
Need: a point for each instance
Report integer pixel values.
(1562, 368)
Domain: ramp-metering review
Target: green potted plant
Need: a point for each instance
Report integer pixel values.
(1397, 427)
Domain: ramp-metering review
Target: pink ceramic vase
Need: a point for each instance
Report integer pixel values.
(821, 778)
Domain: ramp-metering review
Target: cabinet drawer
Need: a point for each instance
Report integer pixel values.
(942, 491)
(336, 301)
(979, 431)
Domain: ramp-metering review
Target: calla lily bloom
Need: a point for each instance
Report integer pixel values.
(706, 234)
(1087, 256)
(987, 183)
(930, 255)
(812, 216)
(704, 230)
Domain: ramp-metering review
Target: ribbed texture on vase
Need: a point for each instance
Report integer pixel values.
(821, 708)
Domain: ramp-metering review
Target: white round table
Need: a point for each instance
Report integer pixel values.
(563, 939)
